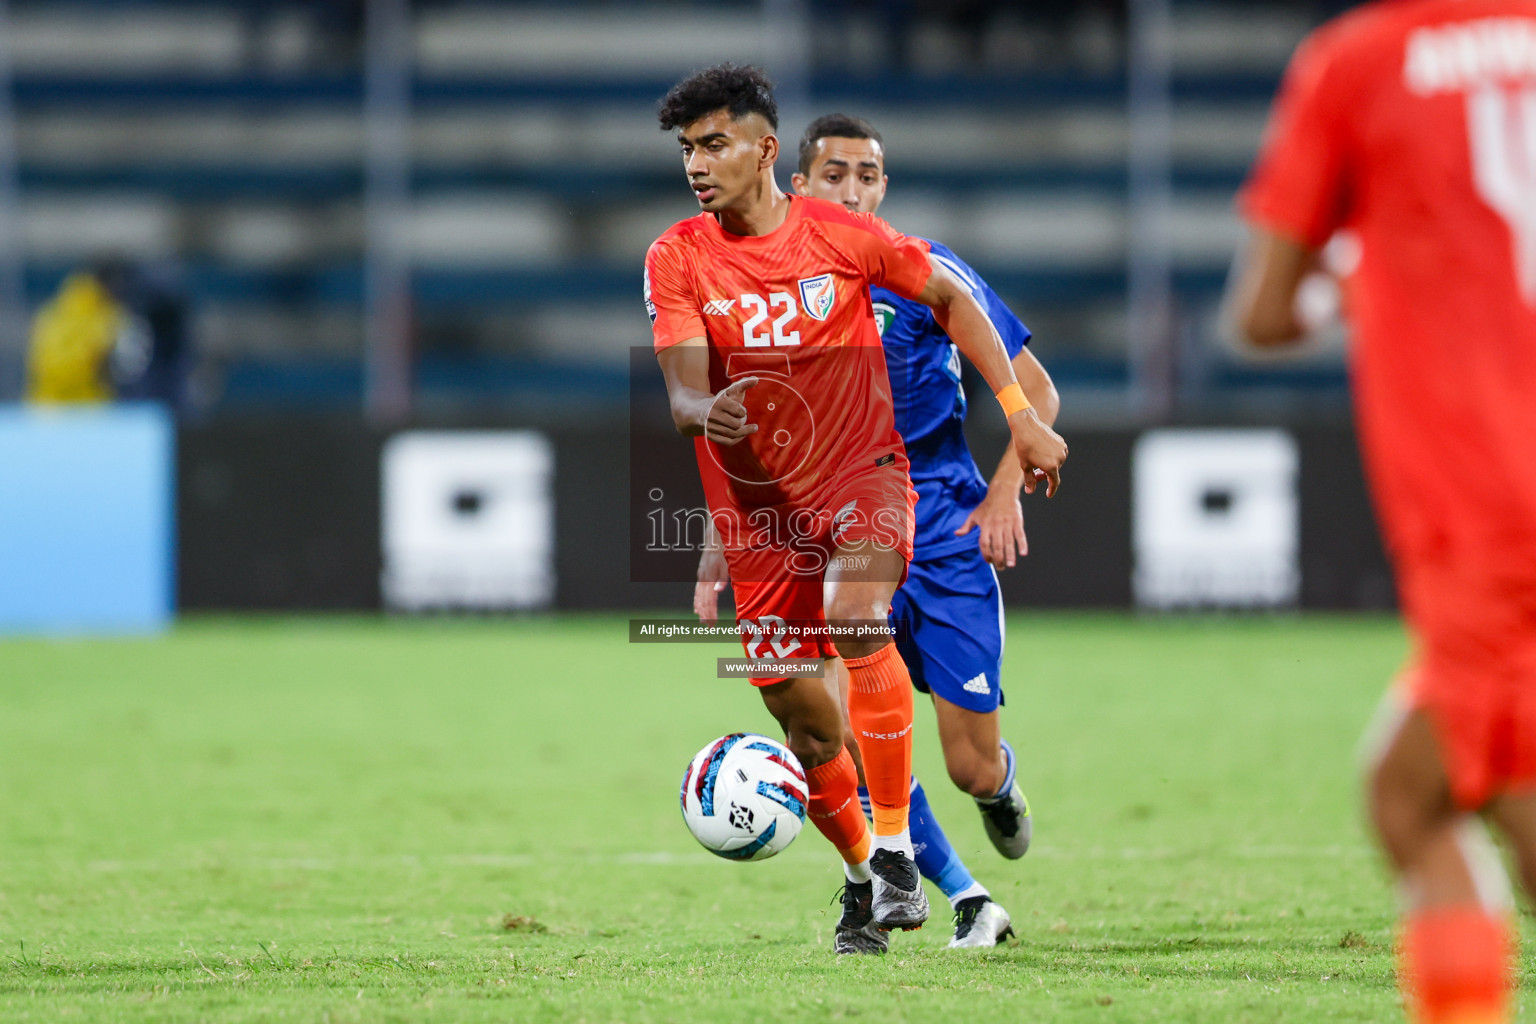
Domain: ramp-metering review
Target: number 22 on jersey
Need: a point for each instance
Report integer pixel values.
(755, 333)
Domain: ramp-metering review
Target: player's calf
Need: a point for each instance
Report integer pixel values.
(969, 729)
(880, 708)
(1454, 957)
(977, 774)
(810, 712)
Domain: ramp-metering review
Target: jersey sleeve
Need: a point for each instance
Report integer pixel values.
(1009, 327)
(1298, 186)
(669, 300)
(889, 258)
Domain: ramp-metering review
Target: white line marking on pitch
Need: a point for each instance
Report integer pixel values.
(666, 858)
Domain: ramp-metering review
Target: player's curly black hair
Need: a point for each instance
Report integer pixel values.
(833, 126)
(739, 88)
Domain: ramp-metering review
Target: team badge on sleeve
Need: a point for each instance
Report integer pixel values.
(650, 306)
(817, 295)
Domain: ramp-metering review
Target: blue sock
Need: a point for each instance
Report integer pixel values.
(1008, 775)
(937, 861)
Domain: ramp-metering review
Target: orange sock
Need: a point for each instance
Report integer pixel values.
(880, 710)
(834, 807)
(1455, 966)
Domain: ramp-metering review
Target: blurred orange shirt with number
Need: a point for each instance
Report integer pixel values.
(1412, 123)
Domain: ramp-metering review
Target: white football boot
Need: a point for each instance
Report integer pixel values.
(980, 923)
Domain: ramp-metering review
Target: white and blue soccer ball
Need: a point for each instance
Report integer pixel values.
(744, 797)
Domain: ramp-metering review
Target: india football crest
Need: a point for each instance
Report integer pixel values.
(817, 295)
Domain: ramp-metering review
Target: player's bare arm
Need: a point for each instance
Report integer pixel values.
(1000, 516)
(1037, 446)
(1264, 293)
(695, 409)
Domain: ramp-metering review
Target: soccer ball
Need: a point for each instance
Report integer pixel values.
(744, 797)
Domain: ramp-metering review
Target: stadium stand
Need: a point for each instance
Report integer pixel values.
(229, 141)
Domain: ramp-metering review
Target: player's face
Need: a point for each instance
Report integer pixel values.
(847, 171)
(724, 157)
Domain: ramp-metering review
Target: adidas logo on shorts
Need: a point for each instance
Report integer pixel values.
(977, 685)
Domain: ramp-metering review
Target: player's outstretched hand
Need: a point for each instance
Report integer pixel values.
(727, 423)
(1040, 449)
(714, 577)
(1000, 517)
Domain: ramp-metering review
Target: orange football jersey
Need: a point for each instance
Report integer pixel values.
(792, 309)
(1413, 124)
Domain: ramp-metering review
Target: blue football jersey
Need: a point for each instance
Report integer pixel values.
(930, 404)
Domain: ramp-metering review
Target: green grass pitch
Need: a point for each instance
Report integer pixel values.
(307, 820)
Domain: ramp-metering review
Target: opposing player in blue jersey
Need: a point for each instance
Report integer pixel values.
(950, 608)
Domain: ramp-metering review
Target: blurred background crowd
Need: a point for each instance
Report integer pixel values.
(208, 165)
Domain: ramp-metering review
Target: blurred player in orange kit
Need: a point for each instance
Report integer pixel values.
(766, 337)
(1412, 124)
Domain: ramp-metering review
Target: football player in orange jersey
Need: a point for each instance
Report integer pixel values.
(1412, 124)
(950, 607)
(759, 273)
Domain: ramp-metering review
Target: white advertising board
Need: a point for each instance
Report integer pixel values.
(468, 520)
(1216, 521)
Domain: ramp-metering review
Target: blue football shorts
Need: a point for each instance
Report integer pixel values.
(949, 619)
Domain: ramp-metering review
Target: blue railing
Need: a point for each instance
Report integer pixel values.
(263, 91)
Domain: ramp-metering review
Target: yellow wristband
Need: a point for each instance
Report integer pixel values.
(1012, 399)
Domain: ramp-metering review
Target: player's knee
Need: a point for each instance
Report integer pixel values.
(846, 604)
(813, 751)
(1399, 816)
(971, 783)
(1384, 805)
(856, 649)
(978, 776)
